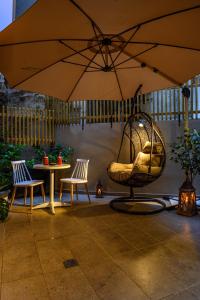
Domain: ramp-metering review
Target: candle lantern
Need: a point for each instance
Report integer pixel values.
(187, 199)
(99, 190)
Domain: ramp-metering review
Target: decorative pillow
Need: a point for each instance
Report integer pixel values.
(157, 148)
(144, 159)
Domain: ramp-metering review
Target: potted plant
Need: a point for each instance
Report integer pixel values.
(186, 152)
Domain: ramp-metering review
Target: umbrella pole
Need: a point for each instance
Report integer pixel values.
(186, 95)
(131, 133)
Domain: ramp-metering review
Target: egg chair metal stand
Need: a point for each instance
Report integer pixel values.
(147, 157)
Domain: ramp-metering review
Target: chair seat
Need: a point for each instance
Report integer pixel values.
(73, 180)
(29, 183)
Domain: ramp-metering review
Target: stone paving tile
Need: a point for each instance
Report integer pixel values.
(2, 234)
(20, 260)
(150, 272)
(120, 256)
(135, 236)
(108, 280)
(185, 295)
(33, 288)
(69, 284)
(18, 214)
(55, 227)
(52, 254)
(17, 233)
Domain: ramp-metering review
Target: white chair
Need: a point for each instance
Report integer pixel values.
(79, 176)
(22, 178)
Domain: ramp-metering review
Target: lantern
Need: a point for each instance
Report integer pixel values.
(99, 190)
(187, 199)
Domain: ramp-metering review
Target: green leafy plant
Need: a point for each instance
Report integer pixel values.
(52, 152)
(4, 209)
(8, 152)
(186, 152)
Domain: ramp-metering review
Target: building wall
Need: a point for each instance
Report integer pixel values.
(21, 6)
(100, 144)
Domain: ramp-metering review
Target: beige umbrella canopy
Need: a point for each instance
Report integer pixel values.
(102, 49)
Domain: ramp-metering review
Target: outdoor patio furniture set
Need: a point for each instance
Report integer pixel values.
(22, 178)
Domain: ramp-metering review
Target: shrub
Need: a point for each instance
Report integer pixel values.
(8, 152)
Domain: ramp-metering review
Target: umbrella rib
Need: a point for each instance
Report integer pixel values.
(45, 41)
(132, 57)
(160, 44)
(78, 52)
(166, 76)
(116, 75)
(86, 15)
(158, 18)
(126, 68)
(76, 84)
(94, 71)
(46, 67)
(77, 64)
(99, 44)
(152, 68)
(125, 44)
(155, 70)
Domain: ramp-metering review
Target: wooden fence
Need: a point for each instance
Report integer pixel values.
(32, 126)
(164, 105)
(27, 126)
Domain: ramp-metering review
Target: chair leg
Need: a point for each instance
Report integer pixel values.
(13, 196)
(25, 195)
(43, 192)
(72, 194)
(76, 187)
(31, 198)
(86, 188)
(60, 192)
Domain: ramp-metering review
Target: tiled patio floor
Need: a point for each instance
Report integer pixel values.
(120, 256)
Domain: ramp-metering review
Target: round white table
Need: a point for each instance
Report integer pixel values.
(52, 169)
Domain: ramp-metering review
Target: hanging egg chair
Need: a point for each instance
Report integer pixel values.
(146, 160)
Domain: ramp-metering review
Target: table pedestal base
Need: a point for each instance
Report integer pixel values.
(48, 204)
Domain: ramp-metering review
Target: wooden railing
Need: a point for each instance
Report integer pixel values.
(27, 126)
(164, 105)
(32, 126)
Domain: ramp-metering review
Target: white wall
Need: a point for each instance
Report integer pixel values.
(100, 144)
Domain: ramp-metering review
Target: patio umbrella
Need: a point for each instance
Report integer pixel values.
(103, 49)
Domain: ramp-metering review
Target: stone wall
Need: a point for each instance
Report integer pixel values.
(12, 97)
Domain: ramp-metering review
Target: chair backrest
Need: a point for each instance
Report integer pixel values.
(81, 169)
(20, 171)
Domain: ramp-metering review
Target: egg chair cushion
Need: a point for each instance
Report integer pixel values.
(156, 149)
(155, 171)
(120, 171)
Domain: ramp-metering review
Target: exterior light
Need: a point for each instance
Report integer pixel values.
(99, 190)
(187, 199)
